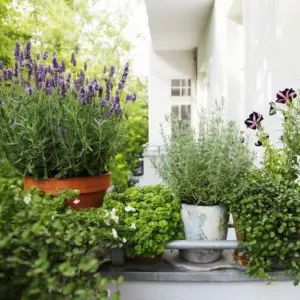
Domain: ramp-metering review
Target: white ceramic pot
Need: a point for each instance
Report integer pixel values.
(204, 223)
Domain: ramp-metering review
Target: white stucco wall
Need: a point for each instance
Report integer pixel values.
(164, 66)
(271, 54)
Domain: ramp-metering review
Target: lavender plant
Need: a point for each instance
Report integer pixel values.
(54, 123)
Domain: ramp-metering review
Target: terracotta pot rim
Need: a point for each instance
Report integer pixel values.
(69, 178)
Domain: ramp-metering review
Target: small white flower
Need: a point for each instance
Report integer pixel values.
(120, 245)
(114, 233)
(106, 213)
(107, 222)
(76, 201)
(129, 208)
(113, 215)
(27, 199)
(133, 226)
(124, 240)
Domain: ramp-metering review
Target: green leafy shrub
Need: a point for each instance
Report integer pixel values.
(48, 251)
(268, 214)
(148, 218)
(203, 167)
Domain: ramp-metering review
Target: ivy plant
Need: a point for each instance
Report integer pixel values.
(148, 218)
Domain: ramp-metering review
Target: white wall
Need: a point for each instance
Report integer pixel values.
(164, 66)
(209, 291)
(271, 54)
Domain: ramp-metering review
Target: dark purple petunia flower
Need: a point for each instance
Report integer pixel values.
(85, 66)
(272, 110)
(29, 90)
(45, 56)
(254, 120)
(286, 96)
(17, 50)
(27, 51)
(112, 71)
(1, 65)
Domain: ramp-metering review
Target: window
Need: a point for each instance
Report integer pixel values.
(180, 87)
(182, 113)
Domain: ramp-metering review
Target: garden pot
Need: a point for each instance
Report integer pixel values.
(92, 189)
(240, 238)
(146, 260)
(204, 223)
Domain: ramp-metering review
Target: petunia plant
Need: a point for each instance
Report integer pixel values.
(59, 123)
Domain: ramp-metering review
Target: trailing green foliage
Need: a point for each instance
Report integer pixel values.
(268, 215)
(48, 251)
(203, 167)
(147, 219)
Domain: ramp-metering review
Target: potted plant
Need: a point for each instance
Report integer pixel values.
(148, 218)
(203, 168)
(267, 211)
(60, 130)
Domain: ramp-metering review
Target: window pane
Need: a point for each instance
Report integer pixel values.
(175, 82)
(175, 92)
(185, 112)
(175, 112)
(186, 82)
(186, 92)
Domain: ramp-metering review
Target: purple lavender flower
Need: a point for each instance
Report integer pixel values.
(76, 49)
(103, 103)
(21, 60)
(83, 98)
(54, 54)
(9, 74)
(17, 50)
(106, 114)
(27, 51)
(124, 77)
(55, 63)
(5, 74)
(63, 66)
(117, 98)
(1, 65)
(107, 91)
(29, 90)
(45, 56)
(81, 78)
(100, 92)
(104, 70)
(85, 66)
(73, 60)
(48, 85)
(133, 97)
(16, 74)
(55, 78)
(63, 90)
(38, 56)
(112, 71)
(68, 81)
(91, 90)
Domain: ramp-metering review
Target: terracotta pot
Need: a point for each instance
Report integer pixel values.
(92, 189)
(146, 260)
(239, 237)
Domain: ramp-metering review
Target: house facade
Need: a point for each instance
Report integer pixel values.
(241, 52)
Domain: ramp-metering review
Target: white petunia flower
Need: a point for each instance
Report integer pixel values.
(27, 199)
(76, 201)
(129, 208)
(114, 233)
(133, 226)
(124, 240)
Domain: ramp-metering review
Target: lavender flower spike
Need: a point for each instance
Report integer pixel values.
(45, 56)
(29, 90)
(27, 50)
(17, 50)
(73, 60)
(112, 71)
(85, 66)
(55, 63)
(1, 65)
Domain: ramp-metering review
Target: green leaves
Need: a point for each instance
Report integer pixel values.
(47, 250)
